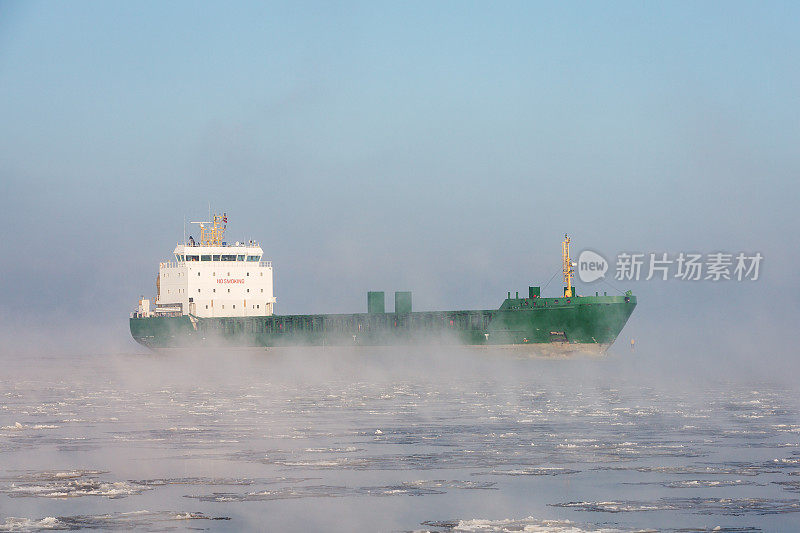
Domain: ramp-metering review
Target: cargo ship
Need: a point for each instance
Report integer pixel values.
(215, 293)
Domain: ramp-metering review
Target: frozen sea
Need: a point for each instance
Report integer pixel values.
(392, 440)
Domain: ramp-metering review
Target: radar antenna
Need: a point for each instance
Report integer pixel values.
(213, 236)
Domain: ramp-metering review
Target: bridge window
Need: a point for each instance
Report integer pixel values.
(240, 258)
(205, 258)
(252, 258)
(216, 258)
(229, 258)
(193, 258)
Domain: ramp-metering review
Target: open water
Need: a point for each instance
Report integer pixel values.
(391, 441)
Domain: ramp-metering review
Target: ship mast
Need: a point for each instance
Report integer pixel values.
(567, 266)
(213, 236)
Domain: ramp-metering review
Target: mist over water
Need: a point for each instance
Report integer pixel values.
(398, 439)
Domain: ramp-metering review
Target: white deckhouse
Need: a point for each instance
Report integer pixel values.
(213, 278)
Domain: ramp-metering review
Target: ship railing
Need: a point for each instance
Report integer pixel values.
(224, 244)
(173, 264)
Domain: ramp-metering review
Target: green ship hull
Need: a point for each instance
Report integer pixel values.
(546, 326)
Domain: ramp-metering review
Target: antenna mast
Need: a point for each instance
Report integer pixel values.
(567, 266)
(213, 236)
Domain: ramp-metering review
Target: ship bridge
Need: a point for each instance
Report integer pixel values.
(213, 278)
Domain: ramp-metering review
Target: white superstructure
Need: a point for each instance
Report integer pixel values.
(213, 278)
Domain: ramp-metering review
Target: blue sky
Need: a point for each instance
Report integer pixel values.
(442, 148)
